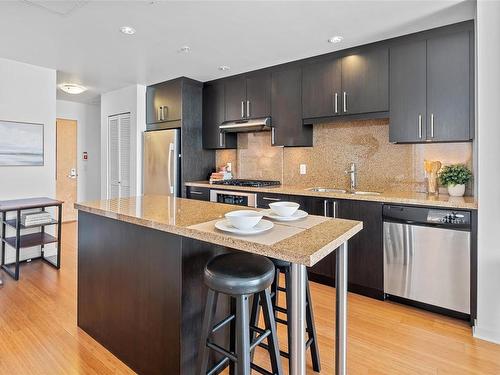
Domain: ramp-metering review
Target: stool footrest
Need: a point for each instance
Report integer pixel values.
(262, 335)
(260, 369)
(222, 323)
(221, 350)
(219, 366)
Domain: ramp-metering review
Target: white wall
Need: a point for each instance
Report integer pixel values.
(88, 117)
(488, 118)
(129, 99)
(28, 93)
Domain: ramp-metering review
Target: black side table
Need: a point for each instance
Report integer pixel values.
(20, 240)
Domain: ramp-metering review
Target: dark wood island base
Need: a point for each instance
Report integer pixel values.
(141, 293)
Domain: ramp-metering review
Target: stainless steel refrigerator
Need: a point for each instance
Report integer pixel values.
(161, 168)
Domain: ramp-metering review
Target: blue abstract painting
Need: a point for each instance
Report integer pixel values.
(21, 143)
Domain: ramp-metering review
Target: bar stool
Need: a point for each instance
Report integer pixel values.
(239, 275)
(312, 342)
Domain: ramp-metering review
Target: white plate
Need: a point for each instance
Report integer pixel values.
(299, 214)
(261, 226)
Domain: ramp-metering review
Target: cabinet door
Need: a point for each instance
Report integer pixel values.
(408, 92)
(213, 117)
(258, 102)
(235, 98)
(365, 249)
(263, 199)
(286, 110)
(197, 193)
(321, 89)
(163, 102)
(323, 271)
(448, 88)
(365, 82)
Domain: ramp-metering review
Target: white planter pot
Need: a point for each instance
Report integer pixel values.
(456, 190)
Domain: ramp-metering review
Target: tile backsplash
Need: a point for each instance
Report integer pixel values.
(381, 165)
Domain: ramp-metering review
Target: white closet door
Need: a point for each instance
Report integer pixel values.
(125, 155)
(119, 156)
(113, 157)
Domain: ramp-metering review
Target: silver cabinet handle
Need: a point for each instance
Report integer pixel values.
(271, 199)
(420, 126)
(163, 112)
(336, 104)
(242, 109)
(272, 135)
(345, 101)
(170, 154)
(325, 207)
(432, 125)
(221, 139)
(335, 209)
(248, 108)
(196, 192)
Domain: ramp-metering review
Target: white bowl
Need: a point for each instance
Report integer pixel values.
(285, 209)
(243, 219)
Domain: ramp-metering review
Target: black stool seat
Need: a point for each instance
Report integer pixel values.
(280, 263)
(239, 273)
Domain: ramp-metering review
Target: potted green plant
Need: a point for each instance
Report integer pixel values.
(455, 177)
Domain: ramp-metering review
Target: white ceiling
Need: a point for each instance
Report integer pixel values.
(81, 39)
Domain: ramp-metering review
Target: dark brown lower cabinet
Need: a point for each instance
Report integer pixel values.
(198, 193)
(365, 250)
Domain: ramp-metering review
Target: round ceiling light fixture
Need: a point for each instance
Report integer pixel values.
(128, 30)
(72, 88)
(185, 49)
(224, 67)
(335, 39)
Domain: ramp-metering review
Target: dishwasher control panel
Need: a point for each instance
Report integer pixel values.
(431, 216)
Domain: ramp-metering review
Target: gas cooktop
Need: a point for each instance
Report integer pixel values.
(250, 183)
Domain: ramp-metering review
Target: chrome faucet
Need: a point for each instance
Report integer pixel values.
(354, 176)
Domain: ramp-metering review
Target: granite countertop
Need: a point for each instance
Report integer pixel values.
(441, 200)
(305, 241)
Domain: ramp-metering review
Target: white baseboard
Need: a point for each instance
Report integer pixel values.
(487, 334)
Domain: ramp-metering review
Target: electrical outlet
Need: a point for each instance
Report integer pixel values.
(303, 169)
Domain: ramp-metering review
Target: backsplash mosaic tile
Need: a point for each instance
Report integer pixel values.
(382, 166)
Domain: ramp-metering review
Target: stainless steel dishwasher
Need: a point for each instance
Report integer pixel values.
(427, 258)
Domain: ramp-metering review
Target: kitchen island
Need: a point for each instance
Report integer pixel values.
(140, 275)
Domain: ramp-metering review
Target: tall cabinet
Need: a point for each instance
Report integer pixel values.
(431, 90)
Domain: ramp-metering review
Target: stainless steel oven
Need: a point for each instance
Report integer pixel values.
(427, 257)
(234, 197)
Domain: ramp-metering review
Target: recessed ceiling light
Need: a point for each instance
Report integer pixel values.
(72, 88)
(224, 67)
(185, 49)
(127, 30)
(335, 39)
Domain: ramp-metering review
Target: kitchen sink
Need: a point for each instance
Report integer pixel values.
(326, 190)
(342, 191)
(359, 192)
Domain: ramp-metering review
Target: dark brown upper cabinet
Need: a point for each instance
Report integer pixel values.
(286, 109)
(248, 96)
(213, 117)
(258, 102)
(448, 88)
(408, 75)
(365, 82)
(163, 102)
(431, 98)
(235, 94)
(354, 84)
(321, 89)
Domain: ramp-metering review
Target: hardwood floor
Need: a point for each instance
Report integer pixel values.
(39, 335)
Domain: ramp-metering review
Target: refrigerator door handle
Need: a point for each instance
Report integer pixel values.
(170, 169)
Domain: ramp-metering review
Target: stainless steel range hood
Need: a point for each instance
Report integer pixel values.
(245, 126)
